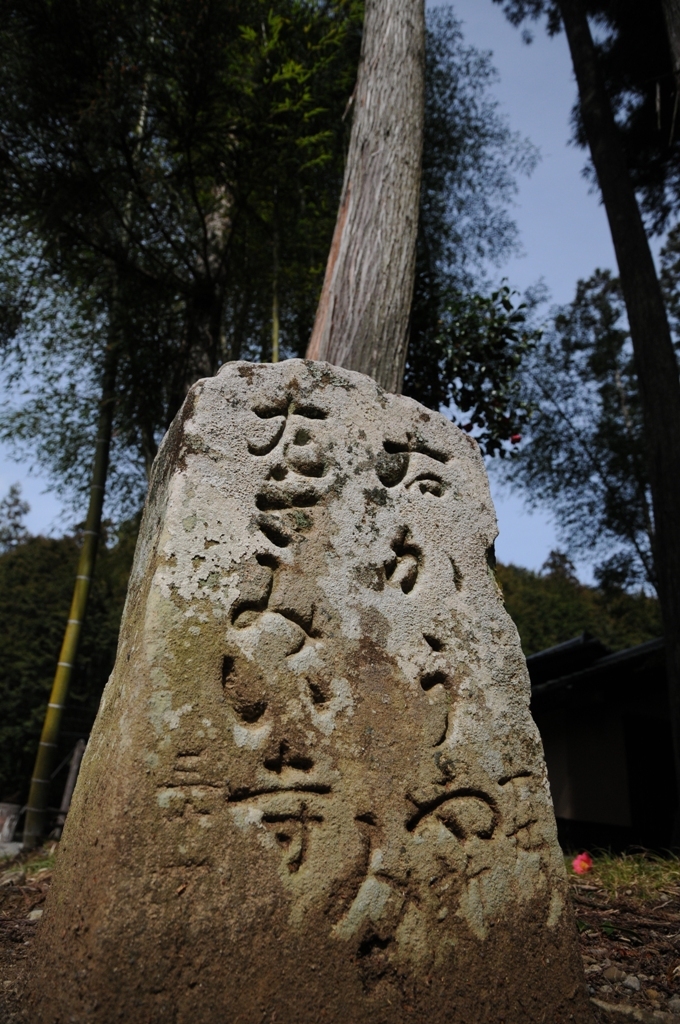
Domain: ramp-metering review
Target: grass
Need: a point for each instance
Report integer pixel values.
(642, 875)
(30, 864)
(645, 876)
(41, 860)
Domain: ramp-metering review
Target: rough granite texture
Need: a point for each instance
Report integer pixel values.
(314, 791)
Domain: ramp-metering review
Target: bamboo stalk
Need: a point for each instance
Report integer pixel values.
(40, 780)
(275, 328)
(74, 768)
(275, 302)
(44, 762)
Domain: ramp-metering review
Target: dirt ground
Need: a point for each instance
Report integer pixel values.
(631, 950)
(630, 942)
(23, 888)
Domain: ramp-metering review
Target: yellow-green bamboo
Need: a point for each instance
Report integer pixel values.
(275, 302)
(275, 328)
(44, 762)
(40, 780)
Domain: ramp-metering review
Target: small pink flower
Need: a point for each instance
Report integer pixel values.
(582, 864)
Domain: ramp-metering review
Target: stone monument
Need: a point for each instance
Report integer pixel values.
(314, 791)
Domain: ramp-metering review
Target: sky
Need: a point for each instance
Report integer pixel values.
(563, 228)
(563, 232)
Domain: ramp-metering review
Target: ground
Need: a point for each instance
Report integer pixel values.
(627, 914)
(24, 883)
(628, 917)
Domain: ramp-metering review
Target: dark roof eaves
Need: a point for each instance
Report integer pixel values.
(567, 645)
(629, 654)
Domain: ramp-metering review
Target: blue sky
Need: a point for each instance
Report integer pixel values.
(563, 227)
(563, 232)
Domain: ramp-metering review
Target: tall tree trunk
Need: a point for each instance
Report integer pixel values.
(362, 318)
(44, 762)
(655, 360)
(671, 13)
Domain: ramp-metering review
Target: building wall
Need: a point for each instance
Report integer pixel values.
(587, 764)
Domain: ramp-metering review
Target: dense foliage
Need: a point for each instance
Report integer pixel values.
(166, 169)
(36, 582)
(551, 607)
(12, 512)
(584, 457)
(170, 176)
(469, 364)
(466, 339)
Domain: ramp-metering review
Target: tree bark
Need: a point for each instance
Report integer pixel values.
(671, 11)
(655, 360)
(363, 313)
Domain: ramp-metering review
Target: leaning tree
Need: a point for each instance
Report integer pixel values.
(655, 360)
(363, 313)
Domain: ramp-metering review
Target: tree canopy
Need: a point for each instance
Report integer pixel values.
(466, 338)
(584, 456)
(635, 60)
(36, 580)
(12, 512)
(163, 166)
(551, 606)
(101, 215)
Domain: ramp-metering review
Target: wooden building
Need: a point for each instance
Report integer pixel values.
(604, 722)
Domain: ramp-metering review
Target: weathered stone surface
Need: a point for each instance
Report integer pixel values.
(314, 791)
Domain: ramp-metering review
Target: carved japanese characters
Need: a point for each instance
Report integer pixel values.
(314, 786)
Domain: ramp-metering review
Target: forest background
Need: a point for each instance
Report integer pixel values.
(468, 340)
